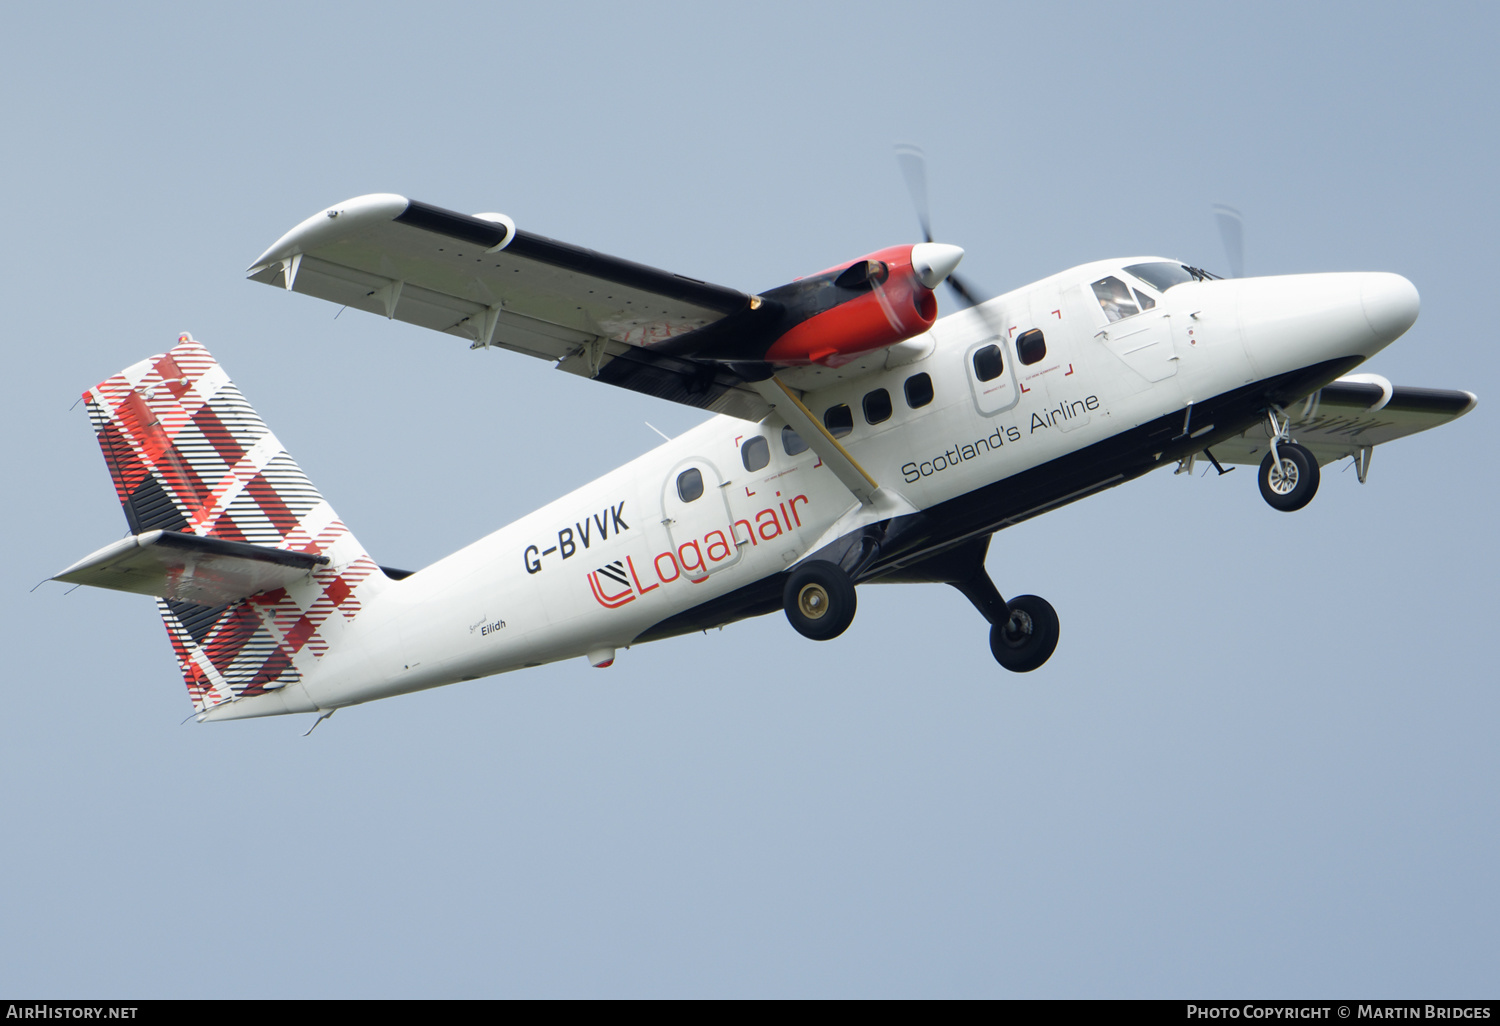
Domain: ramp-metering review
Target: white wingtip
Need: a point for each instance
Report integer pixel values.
(329, 224)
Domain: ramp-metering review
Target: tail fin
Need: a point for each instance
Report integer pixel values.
(188, 454)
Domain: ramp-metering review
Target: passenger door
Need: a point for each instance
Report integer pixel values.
(695, 512)
(992, 376)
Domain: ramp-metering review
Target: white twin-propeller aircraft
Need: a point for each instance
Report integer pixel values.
(860, 439)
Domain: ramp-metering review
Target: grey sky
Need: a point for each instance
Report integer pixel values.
(1262, 762)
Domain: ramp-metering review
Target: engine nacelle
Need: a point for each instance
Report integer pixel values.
(880, 300)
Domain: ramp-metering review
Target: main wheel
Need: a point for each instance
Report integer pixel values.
(1292, 483)
(1028, 638)
(819, 600)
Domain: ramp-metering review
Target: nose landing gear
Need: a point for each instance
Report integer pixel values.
(1289, 473)
(1290, 483)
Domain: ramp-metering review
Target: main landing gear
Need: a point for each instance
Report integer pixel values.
(1289, 473)
(1028, 638)
(819, 600)
(1023, 631)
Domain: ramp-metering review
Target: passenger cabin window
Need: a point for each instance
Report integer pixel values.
(877, 406)
(792, 442)
(1114, 296)
(839, 420)
(755, 453)
(988, 363)
(918, 390)
(1030, 346)
(690, 484)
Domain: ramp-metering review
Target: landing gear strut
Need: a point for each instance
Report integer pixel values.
(1023, 632)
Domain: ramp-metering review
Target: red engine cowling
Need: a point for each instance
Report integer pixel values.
(890, 303)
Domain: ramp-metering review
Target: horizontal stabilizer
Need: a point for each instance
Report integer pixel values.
(191, 568)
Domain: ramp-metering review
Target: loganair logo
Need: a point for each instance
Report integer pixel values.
(623, 581)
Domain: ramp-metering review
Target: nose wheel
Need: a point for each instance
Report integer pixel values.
(1289, 472)
(1288, 477)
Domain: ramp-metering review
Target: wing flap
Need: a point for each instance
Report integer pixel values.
(191, 568)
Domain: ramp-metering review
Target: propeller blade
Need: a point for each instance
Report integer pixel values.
(964, 292)
(1232, 231)
(937, 261)
(914, 170)
(977, 301)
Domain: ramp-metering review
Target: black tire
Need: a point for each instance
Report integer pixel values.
(1029, 638)
(819, 600)
(1296, 483)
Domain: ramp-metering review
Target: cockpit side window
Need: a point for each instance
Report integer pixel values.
(1114, 296)
(1144, 298)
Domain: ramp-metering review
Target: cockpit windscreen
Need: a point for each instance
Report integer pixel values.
(1161, 275)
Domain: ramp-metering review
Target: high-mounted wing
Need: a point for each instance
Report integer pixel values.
(484, 280)
(480, 278)
(1351, 416)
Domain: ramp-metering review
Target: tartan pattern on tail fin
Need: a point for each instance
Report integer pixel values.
(187, 453)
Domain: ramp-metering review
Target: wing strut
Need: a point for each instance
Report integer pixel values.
(785, 402)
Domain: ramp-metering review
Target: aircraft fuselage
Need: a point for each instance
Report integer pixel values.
(964, 440)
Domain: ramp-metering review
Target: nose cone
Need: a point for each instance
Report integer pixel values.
(1390, 303)
(934, 261)
(1294, 321)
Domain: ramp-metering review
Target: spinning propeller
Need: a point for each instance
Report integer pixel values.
(914, 169)
(913, 164)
